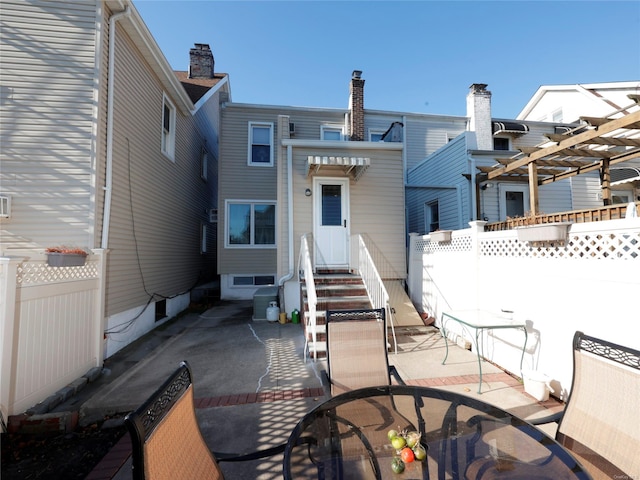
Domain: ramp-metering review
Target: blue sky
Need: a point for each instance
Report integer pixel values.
(416, 56)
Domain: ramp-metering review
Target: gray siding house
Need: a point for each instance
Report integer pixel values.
(105, 146)
(444, 190)
(332, 174)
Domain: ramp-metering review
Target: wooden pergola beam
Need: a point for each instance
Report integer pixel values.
(610, 141)
(585, 137)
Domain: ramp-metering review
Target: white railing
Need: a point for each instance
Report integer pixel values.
(305, 270)
(51, 326)
(373, 283)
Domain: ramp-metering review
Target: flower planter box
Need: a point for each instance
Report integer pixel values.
(66, 259)
(545, 232)
(440, 236)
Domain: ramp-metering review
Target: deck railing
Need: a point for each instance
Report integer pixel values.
(305, 271)
(373, 282)
(610, 212)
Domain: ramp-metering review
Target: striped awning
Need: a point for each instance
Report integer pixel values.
(354, 166)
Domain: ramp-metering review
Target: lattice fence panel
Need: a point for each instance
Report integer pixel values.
(584, 246)
(39, 273)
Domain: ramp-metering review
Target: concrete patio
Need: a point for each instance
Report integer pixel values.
(252, 384)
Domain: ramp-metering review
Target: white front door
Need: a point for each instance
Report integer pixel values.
(331, 222)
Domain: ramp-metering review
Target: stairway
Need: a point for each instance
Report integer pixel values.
(335, 291)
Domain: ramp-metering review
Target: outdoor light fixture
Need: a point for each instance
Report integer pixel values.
(307, 192)
(486, 185)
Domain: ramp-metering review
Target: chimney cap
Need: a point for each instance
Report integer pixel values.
(478, 88)
(202, 46)
(356, 74)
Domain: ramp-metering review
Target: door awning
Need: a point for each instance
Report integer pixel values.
(624, 175)
(354, 166)
(509, 127)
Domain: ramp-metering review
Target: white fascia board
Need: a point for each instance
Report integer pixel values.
(205, 98)
(140, 34)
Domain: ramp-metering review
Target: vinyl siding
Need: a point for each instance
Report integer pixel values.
(376, 202)
(158, 205)
(48, 122)
(439, 177)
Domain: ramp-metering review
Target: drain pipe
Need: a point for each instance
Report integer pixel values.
(289, 275)
(108, 181)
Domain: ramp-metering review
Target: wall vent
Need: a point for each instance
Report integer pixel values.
(5, 206)
(213, 215)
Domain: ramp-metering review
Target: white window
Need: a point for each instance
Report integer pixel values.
(432, 216)
(168, 128)
(332, 132)
(5, 206)
(375, 135)
(261, 144)
(250, 224)
(514, 200)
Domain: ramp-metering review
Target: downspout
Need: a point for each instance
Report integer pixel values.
(289, 275)
(108, 181)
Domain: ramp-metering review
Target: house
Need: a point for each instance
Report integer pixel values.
(104, 146)
(454, 185)
(337, 174)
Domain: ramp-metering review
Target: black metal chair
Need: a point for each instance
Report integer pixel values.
(166, 439)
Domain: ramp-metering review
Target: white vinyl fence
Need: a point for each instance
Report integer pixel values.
(51, 327)
(590, 282)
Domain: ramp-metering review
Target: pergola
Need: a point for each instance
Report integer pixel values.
(597, 144)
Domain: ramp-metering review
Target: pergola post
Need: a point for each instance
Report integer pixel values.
(533, 188)
(605, 180)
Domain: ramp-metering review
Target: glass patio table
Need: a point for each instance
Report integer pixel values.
(480, 320)
(346, 438)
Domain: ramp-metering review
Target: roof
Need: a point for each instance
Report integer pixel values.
(196, 88)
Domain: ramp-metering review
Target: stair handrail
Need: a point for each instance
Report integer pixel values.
(376, 290)
(305, 266)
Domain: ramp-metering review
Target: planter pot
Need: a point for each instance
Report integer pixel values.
(66, 259)
(440, 236)
(545, 232)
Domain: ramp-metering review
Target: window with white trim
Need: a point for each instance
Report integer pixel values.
(168, 146)
(376, 135)
(250, 224)
(260, 144)
(332, 132)
(432, 216)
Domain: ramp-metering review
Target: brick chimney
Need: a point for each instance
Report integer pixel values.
(201, 61)
(479, 113)
(356, 106)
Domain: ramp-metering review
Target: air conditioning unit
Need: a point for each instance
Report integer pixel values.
(213, 215)
(5, 206)
(292, 128)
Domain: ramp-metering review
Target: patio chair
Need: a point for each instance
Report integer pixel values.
(166, 440)
(357, 358)
(357, 350)
(601, 421)
(600, 424)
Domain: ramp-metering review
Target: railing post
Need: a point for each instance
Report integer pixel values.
(477, 228)
(8, 320)
(99, 304)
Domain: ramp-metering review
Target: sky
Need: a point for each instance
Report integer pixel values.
(416, 56)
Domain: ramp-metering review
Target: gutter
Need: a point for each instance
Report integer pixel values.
(108, 181)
